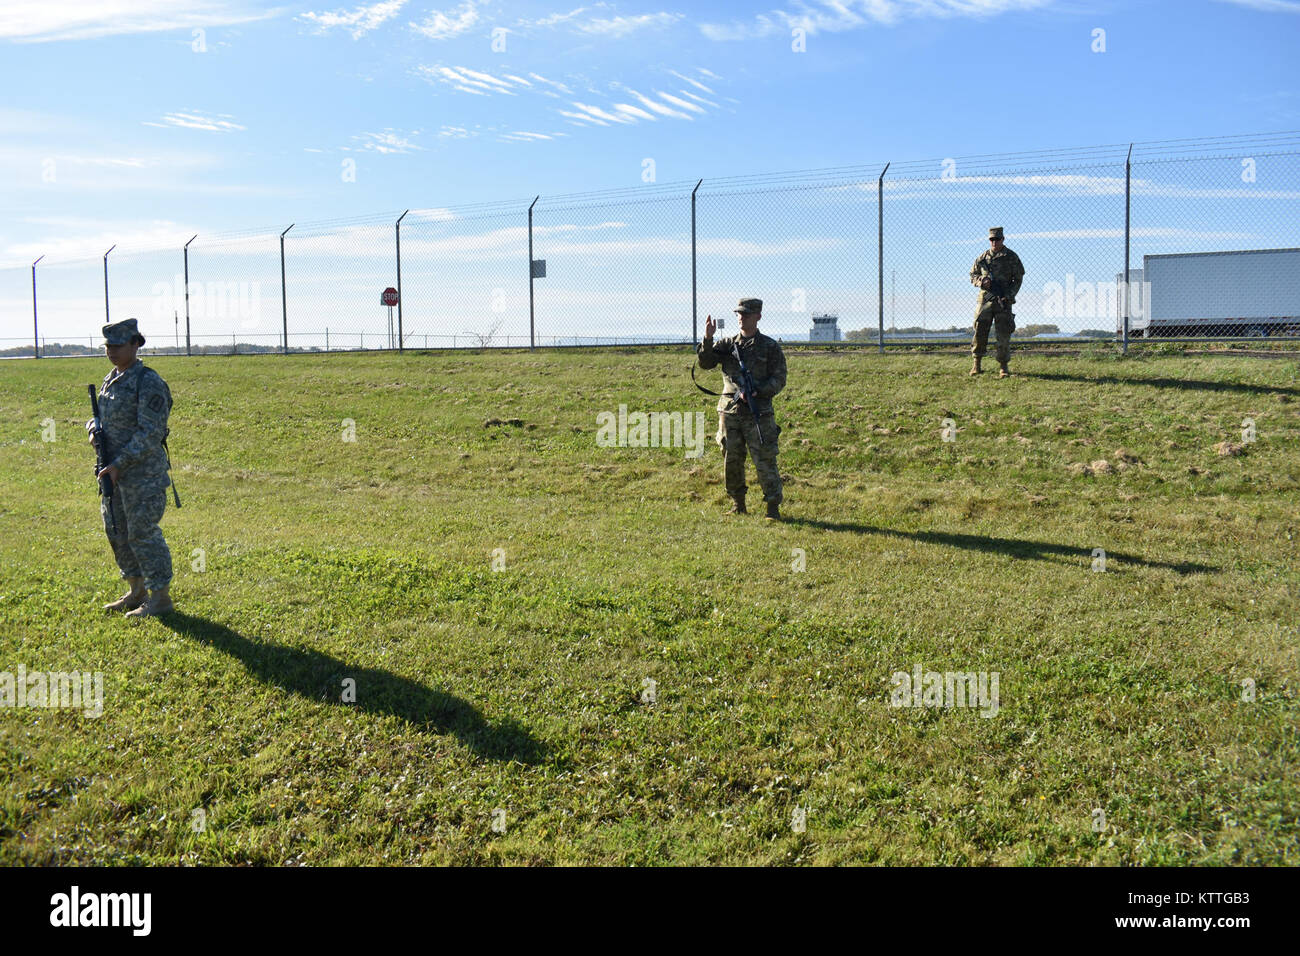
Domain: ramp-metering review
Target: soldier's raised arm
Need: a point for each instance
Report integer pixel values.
(152, 410)
(704, 351)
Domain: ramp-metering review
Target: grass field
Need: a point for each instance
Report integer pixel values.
(524, 690)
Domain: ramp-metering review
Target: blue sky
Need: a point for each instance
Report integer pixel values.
(178, 117)
(145, 138)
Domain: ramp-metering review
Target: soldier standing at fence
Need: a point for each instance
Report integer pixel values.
(738, 429)
(998, 274)
(134, 403)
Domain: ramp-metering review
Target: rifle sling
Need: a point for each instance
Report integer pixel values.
(706, 391)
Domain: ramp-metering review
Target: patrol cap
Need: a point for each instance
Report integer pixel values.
(749, 305)
(122, 333)
(995, 232)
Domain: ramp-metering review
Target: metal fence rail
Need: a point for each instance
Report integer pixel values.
(1207, 233)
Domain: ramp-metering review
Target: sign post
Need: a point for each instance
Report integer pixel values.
(390, 298)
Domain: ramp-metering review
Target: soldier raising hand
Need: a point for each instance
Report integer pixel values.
(747, 422)
(998, 273)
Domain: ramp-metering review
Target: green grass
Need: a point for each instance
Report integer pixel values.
(521, 689)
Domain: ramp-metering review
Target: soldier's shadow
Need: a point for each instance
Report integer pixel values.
(1013, 547)
(319, 677)
(1185, 384)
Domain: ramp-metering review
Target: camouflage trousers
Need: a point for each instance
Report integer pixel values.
(1003, 322)
(736, 433)
(138, 545)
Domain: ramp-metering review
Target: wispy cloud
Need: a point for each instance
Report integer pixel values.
(465, 80)
(582, 20)
(622, 26)
(520, 136)
(36, 21)
(1140, 232)
(604, 239)
(579, 118)
(695, 83)
(660, 108)
(387, 141)
(357, 22)
(678, 101)
(605, 115)
(111, 162)
(633, 111)
(70, 238)
(638, 108)
(219, 123)
(1267, 6)
(698, 99)
(554, 19)
(559, 86)
(441, 26)
(834, 16)
(487, 79)
(1067, 184)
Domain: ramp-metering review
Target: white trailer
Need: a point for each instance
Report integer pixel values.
(1248, 293)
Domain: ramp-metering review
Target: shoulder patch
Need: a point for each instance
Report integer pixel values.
(155, 402)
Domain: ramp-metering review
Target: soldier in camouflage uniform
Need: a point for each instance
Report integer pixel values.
(737, 429)
(996, 262)
(134, 403)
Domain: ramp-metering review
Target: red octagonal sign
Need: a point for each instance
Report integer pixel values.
(389, 297)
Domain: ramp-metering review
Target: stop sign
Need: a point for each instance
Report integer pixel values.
(389, 297)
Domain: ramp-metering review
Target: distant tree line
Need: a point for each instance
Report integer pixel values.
(1025, 331)
(59, 348)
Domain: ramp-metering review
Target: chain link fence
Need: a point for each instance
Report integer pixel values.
(1209, 231)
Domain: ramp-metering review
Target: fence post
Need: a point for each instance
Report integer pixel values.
(36, 336)
(398, 228)
(110, 249)
(1128, 180)
(186, 250)
(284, 296)
(695, 310)
(532, 335)
(880, 258)
(327, 338)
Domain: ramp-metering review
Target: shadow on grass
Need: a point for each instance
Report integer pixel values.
(320, 677)
(1015, 547)
(1187, 384)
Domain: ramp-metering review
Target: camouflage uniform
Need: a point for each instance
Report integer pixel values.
(1000, 264)
(736, 427)
(133, 406)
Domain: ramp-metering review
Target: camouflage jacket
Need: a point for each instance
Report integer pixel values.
(134, 406)
(1002, 264)
(765, 361)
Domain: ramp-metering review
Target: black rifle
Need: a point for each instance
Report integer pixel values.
(96, 428)
(999, 288)
(747, 384)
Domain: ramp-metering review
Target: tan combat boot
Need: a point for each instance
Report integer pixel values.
(975, 369)
(131, 600)
(159, 603)
(1003, 371)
